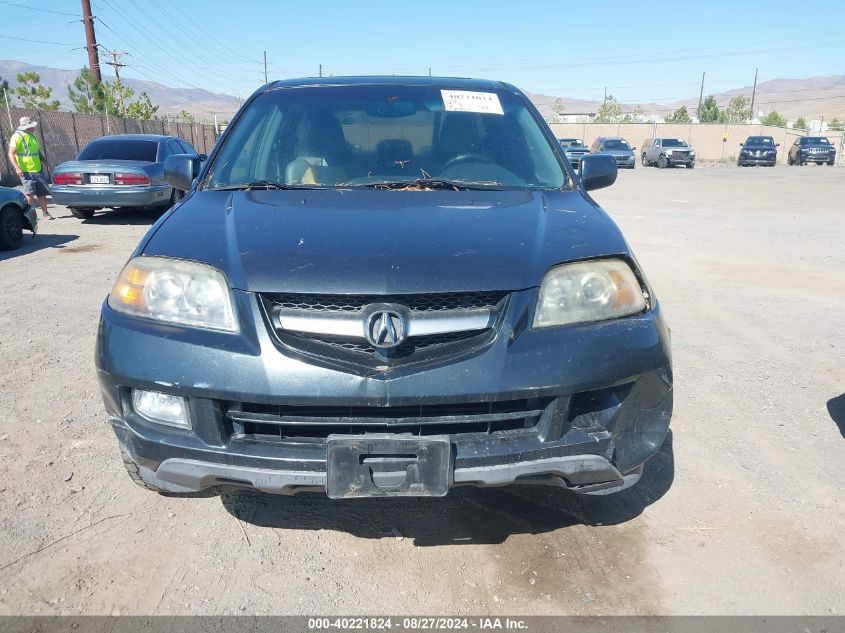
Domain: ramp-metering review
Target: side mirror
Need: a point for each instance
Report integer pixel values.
(777, 144)
(633, 149)
(597, 171)
(203, 158)
(740, 144)
(179, 171)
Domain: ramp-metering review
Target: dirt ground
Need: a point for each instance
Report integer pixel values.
(742, 511)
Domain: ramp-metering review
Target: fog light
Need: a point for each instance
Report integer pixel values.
(161, 408)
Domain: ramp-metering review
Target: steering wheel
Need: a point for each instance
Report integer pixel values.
(465, 158)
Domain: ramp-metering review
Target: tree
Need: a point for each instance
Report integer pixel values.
(558, 108)
(800, 124)
(32, 95)
(836, 124)
(737, 110)
(774, 118)
(142, 109)
(609, 112)
(89, 95)
(187, 117)
(679, 116)
(634, 116)
(121, 93)
(708, 112)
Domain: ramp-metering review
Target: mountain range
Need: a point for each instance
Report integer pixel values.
(811, 97)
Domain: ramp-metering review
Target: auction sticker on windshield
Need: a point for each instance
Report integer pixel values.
(469, 101)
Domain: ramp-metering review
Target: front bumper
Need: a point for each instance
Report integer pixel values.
(606, 389)
(820, 159)
(96, 197)
(758, 160)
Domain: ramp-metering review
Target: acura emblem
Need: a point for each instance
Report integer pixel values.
(385, 329)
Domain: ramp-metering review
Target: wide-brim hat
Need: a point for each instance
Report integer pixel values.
(26, 123)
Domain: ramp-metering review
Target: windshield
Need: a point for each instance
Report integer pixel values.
(815, 140)
(674, 142)
(364, 135)
(119, 149)
(759, 141)
(617, 145)
(571, 142)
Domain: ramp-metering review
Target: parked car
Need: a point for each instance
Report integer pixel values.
(375, 288)
(758, 150)
(120, 171)
(15, 215)
(574, 149)
(617, 147)
(811, 149)
(664, 152)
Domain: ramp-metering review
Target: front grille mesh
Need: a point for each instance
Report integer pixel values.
(291, 422)
(418, 303)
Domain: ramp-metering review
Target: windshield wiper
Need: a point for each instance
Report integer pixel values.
(261, 184)
(432, 183)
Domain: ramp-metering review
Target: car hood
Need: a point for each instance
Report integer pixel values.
(579, 150)
(384, 242)
(618, 152)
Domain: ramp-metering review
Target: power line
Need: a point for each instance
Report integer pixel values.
(20, 5)
(153, 38)
(23, 39)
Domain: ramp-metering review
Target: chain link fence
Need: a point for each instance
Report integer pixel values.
(63, 134)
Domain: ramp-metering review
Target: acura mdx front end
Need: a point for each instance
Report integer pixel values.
(385, 287)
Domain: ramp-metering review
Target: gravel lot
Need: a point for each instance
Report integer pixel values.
(741, 512)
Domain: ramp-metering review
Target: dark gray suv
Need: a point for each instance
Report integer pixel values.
(384, 287)
(617, 147)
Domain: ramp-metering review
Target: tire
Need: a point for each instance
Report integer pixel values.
(133, 470)
(789, 161)
(11, 228)
(830, 162)
(175, 196)
(739, 164)
(662, 162)
(691, 165)
(82, 214)
(645, 162)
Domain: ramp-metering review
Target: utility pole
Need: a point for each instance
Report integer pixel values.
(321, 70)
(429, 71)
(114, 63)
(700, 96)
(753, 93)
(265, 67)
(605, 95)
(91, 40)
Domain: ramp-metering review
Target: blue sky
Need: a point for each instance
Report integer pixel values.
(641, 52)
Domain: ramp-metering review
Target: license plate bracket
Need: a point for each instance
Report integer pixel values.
(388, 465)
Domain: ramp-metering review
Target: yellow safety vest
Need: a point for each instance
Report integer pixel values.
(27, 151)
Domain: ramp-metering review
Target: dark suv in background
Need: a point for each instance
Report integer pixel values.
(758, 150)
(811, 149)
(617, 147)
(574, 149)
(384, 286)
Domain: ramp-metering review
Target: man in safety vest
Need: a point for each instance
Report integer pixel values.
(25, 155)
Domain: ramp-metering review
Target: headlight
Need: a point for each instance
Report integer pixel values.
(175, 291)
(669, 152)
(588, 291)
